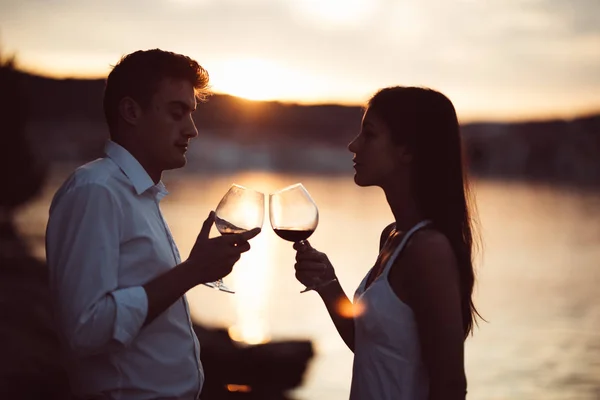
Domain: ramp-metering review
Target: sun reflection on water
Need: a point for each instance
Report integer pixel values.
(252, 275)
(251, 280)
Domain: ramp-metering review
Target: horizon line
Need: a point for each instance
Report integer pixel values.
(467, 118)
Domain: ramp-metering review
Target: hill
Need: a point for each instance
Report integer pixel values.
(66, 122)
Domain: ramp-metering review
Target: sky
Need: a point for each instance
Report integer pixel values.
(495, 59)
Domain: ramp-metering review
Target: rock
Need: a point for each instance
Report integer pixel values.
(264, 371)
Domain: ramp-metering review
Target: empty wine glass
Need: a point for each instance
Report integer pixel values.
(240, 210)
(293, 214)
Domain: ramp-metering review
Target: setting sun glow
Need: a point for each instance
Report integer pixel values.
(256, 79)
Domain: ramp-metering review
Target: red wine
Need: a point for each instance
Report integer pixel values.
(293, 235)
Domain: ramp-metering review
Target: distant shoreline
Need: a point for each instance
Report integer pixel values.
(68, 126)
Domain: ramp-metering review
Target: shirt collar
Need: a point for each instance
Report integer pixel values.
(133, 170)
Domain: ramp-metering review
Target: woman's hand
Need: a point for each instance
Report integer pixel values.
(313, 268)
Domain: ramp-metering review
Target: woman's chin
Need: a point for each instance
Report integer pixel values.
(360, 181)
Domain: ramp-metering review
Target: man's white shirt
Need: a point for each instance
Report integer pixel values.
(106, 237)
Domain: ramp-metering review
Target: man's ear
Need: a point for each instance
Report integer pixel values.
(130, 110)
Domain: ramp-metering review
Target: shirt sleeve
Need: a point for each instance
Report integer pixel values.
(82, 248)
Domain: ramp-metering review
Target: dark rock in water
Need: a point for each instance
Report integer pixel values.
(263, 371)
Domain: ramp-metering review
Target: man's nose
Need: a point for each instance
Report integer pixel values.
(193, 132)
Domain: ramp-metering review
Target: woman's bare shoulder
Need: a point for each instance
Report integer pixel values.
(431, 256)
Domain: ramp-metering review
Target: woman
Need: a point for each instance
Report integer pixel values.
(413, 309)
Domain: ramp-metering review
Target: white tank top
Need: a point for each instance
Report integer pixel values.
(387, 352)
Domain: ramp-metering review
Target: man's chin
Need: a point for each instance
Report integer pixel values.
(180, 162)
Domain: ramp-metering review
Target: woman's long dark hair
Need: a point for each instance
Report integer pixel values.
(425, 121)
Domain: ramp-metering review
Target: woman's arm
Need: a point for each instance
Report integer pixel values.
(340, 310)
(433, 293)
(313, 268)
(312, 264)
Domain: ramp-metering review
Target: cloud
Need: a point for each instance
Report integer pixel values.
(471, 47)
(334, 15)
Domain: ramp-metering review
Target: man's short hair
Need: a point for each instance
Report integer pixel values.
(137, 75)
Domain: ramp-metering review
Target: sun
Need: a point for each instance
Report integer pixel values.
(255, 79)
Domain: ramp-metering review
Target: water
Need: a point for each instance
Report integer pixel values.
(538, 278)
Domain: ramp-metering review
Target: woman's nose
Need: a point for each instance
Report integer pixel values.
(352, 146)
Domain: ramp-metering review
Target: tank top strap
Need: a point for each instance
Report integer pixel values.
(402, 244)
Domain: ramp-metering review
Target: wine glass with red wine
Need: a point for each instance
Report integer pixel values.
(240, 210)
(293, 213)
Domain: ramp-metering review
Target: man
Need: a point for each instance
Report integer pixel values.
(116, 278)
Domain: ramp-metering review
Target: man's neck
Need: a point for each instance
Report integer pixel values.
(154, 173)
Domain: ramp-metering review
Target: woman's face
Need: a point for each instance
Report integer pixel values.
(377, 159)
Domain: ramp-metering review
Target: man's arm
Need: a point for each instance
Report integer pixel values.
(209, 260)
(82, 247)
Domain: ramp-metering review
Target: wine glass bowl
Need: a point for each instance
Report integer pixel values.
(240, 210)
(293, 214)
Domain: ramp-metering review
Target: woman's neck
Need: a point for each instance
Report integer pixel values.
(403, 206)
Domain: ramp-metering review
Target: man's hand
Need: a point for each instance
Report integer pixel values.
(209, 260)
(212, 259)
